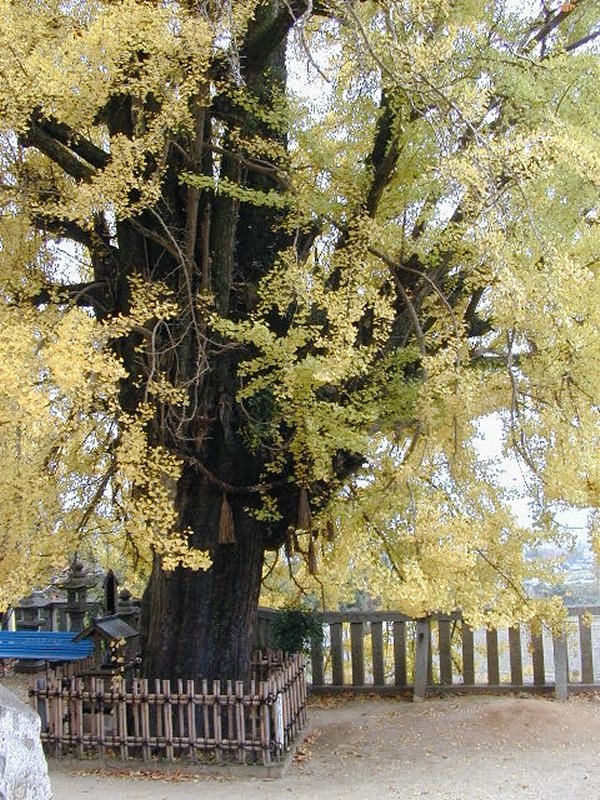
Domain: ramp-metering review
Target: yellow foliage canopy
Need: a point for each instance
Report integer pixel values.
(194, 249)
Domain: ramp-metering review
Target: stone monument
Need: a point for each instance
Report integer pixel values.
(23, 767)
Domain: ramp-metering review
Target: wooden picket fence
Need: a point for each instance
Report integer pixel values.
(180, 721)
(386, 651)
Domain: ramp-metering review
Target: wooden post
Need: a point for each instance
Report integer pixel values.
(240, 724)
(204, 701)
(265, 722)
(100, 695)
(537, 656)
(421, 660)
(561, 666)
(77, 690)
(145, 721)
(191, 718)
(468, 655)
(516, 658)
(377, 650)
(316, 660)
(445, 647)
(337, 654)
(585, 644)
(493, 666)
(357, 632)
(217, 726)
(400, 654)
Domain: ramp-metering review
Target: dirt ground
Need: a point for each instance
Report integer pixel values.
(369, 748)
(463, 748)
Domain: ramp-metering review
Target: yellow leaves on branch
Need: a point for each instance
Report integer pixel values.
(147, 478)
(70, 472)
(70, 63)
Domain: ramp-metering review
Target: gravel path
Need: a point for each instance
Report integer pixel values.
(496, 748)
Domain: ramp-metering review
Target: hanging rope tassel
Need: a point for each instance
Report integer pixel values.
(312, 557)
(329, 531)
(289, 545)
(226, 524)
(304, 515)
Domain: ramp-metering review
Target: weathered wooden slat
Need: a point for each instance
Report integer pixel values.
(537, 657)
(58, 721)
(585, 649)
(191, 718)
(422, 648)
(493, 665)
(316, 660)
(145, 720)
(217, 727)
(445, 652)
(468, 655)
(240, 727)
(159, 737)
(337, 654)
(561, 666)
(99, 715)
(121, 720)
(229, 732)
(377, 651)
(265, 723)
(399, 631)
(165, 724)
(77, 723)
(376, 616)
(516, 656)
(430, 655)
(357, 639)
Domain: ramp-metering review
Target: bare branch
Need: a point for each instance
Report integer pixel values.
(65, 158)
(93, 294)
(64, 134)
(570, 48)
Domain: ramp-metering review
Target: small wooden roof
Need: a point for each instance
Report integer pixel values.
(112, 627)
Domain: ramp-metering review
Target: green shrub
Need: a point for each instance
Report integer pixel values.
(294, 628)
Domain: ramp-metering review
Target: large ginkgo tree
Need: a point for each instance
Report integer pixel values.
(265, 266)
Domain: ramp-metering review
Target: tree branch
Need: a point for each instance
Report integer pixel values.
(78, 157)
(551, 23)
(265, 35)
(39, 138)
(570, 48)
(384, 155)
(92, 294)
(63, 229)
(74, 141)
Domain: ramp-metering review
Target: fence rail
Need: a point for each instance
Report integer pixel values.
(181, 721)
(386, 651)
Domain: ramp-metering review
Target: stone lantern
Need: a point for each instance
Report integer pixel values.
(76, 585)
(128, 609)
(31, 616)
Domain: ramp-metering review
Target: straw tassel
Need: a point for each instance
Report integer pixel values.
(226, 524)
(289, 545)
(312, 557)
(304, 515)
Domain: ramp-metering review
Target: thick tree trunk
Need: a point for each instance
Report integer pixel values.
(199, 624)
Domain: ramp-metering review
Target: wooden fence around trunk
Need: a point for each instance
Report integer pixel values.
(386, 651)
(180, 721)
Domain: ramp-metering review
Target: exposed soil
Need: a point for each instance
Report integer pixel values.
(369, 748)
(373, 749)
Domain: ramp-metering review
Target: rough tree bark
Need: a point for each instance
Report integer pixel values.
(199, 624)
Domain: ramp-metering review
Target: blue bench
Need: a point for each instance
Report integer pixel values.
(44, 645)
